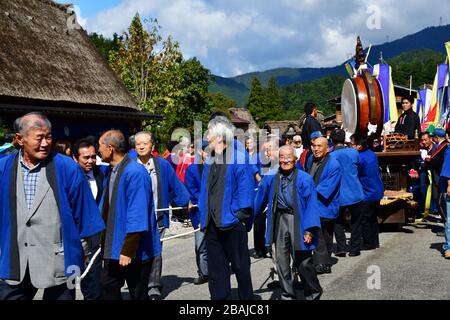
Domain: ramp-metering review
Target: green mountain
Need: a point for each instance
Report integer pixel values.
(403, 50)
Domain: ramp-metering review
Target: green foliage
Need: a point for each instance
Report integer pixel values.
(104, 45)
(2, 134)
(257, 102)
(221, 102)
(231, 89)
(154, 72)
(274, 108)
(318, 91)
(193, 103)
(421, 64)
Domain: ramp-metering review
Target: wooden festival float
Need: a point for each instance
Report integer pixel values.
(362, 106)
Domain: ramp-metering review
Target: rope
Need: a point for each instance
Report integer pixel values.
(90, 263)
(180, 235)
(175, 208)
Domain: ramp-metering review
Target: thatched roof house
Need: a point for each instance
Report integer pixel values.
(49, 64)
(242, 118)
(286, 128)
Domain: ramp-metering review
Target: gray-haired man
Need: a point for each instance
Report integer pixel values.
(46, 207)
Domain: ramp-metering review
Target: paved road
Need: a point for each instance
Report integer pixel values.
(409, 265)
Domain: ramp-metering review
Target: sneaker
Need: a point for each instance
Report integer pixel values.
(447, 255)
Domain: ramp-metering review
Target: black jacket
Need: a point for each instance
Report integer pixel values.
(309, 126)
(408, 123)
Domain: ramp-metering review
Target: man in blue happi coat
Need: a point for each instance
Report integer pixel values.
(192, 182)
(326, 174)
(167, 189)
(293, 223)
(370, 178)
(85, 154)
(350, 198)
(225, 203)
(46, 209)
(131, 240)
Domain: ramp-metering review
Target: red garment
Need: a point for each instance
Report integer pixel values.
(185, 161)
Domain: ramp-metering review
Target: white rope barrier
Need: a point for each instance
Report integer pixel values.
(86, 271)
(180, 235)
(175, 208)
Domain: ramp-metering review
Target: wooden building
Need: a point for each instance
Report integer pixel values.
(49, 64)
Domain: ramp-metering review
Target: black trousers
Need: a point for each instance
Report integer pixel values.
(370, 224)
(259, 233)
(136, 275)
(90, 286)
(225, 248)
(303, 262)
(324, 249)
(356, 229)
(26, 291)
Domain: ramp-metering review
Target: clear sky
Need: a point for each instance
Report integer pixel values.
(231, 37)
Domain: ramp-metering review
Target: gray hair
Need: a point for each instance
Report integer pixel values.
(38, 120)
(116, 139)
(287, 147)
(218, 127)
(145, 133)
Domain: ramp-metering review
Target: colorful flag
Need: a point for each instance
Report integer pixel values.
(437, 110)
(424, 102)
(383, 72)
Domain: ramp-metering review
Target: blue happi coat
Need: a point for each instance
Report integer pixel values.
(79, 214)
(328, 188)
(369, 175)
(351, 189)
(192, 182)
(131, 210)
(170, 190)
(306, 213)
(238, 193)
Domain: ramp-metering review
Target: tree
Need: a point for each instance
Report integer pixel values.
(222, 103)
(256, 102)
(273, 101)
(104, 45)
(147, 65)
(155, 73)
(193, 103)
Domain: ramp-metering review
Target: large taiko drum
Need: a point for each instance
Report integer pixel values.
(362, 104)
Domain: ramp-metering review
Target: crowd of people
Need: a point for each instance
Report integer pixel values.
(58, 211)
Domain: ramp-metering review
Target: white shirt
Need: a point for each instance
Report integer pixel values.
(150, 167)
(92, 183)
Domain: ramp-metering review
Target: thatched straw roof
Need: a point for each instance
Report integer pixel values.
(282, 126)
(45, 56)
(244, 114)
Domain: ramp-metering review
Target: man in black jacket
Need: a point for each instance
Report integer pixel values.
(408, 123)
(84, 153)
(310, 124)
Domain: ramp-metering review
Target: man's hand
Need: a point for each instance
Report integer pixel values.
(448, 190)
(124, 261)
(307, 239)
